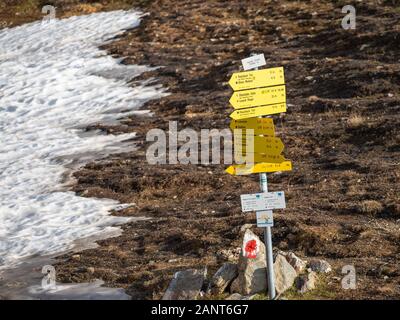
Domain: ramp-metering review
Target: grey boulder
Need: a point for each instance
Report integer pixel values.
(223, 278)
(186, 285)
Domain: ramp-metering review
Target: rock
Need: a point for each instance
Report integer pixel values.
(90, 270)
(285, 274)
(223, 278)
(319, 265)
(231, 255)
(185, 285)
(298, 264)
(313, 98)
(235, 286)
(252, 276)
(246, 226)
(235, 296)
(306, 282)
(252, 271)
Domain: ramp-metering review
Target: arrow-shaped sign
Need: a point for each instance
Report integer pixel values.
(261, 126)
(268, 145)
(257, 78)
(258, 157)
(258, 111)
(243, 169)
(258, 97)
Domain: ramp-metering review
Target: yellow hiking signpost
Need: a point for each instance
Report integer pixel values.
(261, 126)
(258, 97)
(261, 92)
(258, 111)
(257, 78)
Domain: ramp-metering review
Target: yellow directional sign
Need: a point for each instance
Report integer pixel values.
(257, 78)
(258, 97)
(258, 157)
(268, 145)
(261, 126)
(258, 111)
(243, 169)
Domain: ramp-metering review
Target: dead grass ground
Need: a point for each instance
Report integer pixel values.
(16, 12)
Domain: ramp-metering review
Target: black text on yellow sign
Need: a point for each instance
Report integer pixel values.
(258, 157)
(260, 126)
(244, 169)
(258, 144)
(257, 78)
(258, 97)
(258, 111)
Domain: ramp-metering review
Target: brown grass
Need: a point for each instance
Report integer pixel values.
(355, 190)
(17, 12)
(355, 121)
(370, 207)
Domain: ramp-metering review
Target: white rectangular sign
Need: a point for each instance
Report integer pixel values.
(252, 202)
(264, 219)
(263, 201)
(254, 62)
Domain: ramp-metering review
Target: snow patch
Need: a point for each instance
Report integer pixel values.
(54, 81)
(81, 291)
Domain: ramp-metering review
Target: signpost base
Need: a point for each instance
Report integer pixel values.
(268, 246)
(270, 263)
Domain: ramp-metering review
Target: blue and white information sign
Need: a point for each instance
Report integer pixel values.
(263, 201)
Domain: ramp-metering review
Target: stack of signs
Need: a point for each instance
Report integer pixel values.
(263, 203)
(257, 93)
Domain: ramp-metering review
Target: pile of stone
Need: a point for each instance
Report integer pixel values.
(249, 276)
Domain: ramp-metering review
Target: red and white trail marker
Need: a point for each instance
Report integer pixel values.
(251, 247)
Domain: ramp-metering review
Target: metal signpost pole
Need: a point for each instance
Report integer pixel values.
(268, 242)
(268, 245)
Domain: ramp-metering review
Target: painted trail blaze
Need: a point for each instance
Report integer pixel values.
(251, 249)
